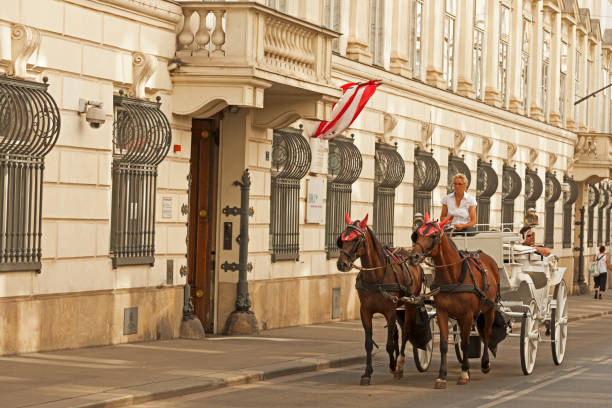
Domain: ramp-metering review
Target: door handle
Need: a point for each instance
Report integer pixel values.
(203, 213)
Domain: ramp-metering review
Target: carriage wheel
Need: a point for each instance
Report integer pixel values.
(558, 324)
(422, 358)
(529, 339)
(457, 342)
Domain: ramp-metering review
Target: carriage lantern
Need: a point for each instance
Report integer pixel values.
(531, 218)
(418, 221)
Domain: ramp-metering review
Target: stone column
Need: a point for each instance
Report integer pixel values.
(464, 48)
(358, 43)
(515, 103)
(554, 115)
(570, 96)
(400, 38)
(535, 65)
(434, 24)
(492, 55)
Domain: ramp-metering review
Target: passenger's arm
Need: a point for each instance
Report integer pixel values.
(472, 211)
(444, 213)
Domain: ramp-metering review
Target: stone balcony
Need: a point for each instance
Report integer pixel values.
(593, 157)
(246, 54)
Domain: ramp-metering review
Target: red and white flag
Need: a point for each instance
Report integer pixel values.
(354, 98)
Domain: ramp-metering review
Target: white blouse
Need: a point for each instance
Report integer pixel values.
(461, 214)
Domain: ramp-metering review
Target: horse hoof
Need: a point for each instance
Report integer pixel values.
(365, 381)
(486, 369)
(440, 384)
(398, 374)
(463, 381)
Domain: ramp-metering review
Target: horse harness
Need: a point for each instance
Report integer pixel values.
(382, 288)
(470, 260)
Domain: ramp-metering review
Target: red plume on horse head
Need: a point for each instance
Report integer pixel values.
(363, 224)
(443, 223)
(347, 219)
(427, 219)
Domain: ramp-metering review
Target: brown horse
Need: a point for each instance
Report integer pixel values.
(383, 279)
(468, 284)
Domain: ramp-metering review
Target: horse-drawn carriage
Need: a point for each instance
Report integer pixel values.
(532, 294)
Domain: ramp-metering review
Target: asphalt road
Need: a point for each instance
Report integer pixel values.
(584, 379)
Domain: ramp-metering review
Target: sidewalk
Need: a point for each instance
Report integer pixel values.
(131, 373)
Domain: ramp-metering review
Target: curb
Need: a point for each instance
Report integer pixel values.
(589, 316)
(175, 388)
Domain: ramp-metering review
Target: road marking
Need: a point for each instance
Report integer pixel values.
(334, 328)
(498, 395)
(533, 388)
(599, 358)
(277, 339)
(181, 349)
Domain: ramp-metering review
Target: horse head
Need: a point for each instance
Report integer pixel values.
(426, 239)
(351, 242)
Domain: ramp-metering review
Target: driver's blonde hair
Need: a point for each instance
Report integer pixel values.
(461, 176)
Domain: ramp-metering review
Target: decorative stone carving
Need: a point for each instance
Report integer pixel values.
(510, 152)
(390, 122)
(533, 156)
(458, 139)
(144, 66)
(586, 146)
(427, 130)
(487, 144)
(552, 159)
(25, 42)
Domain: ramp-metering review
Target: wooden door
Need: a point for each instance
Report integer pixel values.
(202, 216)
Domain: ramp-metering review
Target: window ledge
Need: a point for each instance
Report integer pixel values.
(133, 260)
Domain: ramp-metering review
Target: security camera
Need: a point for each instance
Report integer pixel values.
(95, 113)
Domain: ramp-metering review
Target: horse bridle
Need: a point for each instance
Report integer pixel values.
(362, 239)
(437, 238)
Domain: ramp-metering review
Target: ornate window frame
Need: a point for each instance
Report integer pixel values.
(569, 198)
(418, 13)
(457, 165)
(389, 172)
(486, 185)
(592, 202)
(478, 46)
(533, 189)
(604, 202)
(344, 167)
(426, 179)
(552, 192)
(526, 44)
(504, 46)
(511, 188)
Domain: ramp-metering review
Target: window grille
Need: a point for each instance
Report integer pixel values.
(486, 185)
(480, 13)
(450, 15)
(525, 64)
(592, 203)
(608, 210)
(344, 167)
(377, 22)
(511, 188)
(426, 178)
(389, 173)
(291, 157)
(552, 192)
(141, 139)
(417, 38)
(569, 198)
(457, 165)
(331, 19)
(533, 189)
(604, 200)
(29, 128)
(504, 41)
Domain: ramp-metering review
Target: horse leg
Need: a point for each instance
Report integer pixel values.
(392, 348)
(443, 326)
(366, 321)
(465, 325)
(399, 365)
(489, 317)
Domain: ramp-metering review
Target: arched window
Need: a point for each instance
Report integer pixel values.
(552, 192)
(291, 157)
(389, 173)
(426, 178)
(511, 188)
(604, 200)
(457, 165)
(569, 198)
(486, 185)
(344, 167)
(533, 189)
(592, 203)
(141, 139)
(29, 128)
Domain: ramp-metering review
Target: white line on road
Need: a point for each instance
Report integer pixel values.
(533, 388)
(498, 395)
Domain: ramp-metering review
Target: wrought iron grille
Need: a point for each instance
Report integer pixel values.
(141, 139)
(569, 198)
(291, 157)
(457, 165)
(552, 192)
(592, 203)
(29, 128)
(608, 210)
(426, 178)
(344, 167)
(533, 189)
(511, 188)
(389, 173)
(604, 200)
(486, 185)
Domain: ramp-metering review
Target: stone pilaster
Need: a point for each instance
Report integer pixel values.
(535, 66)
(554, 116)
(515, 103)
(358, 44)
(465, 33)
(400, 38)
(570, 89)
(434, 23)
(492, 55)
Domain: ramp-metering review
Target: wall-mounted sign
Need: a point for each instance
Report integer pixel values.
(314, 201)
(318, 148)
(166, 207)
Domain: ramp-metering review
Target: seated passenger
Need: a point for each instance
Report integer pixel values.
(460, 206)
(529, 240)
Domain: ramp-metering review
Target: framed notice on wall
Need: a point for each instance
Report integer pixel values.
(167, 207)
(314, 201)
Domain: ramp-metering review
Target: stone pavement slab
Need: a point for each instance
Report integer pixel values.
(125, 374)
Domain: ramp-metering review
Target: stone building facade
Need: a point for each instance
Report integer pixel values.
(485, 87)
